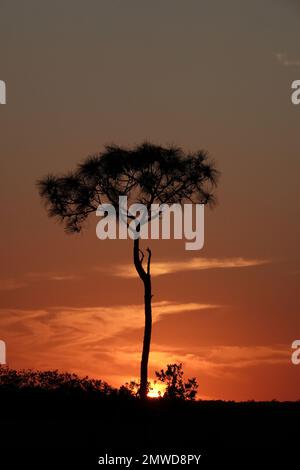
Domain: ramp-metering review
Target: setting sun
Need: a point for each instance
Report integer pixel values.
(156, 390)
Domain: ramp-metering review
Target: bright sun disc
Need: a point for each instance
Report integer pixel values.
(156, 391)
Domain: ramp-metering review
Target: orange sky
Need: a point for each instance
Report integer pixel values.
(200, 75)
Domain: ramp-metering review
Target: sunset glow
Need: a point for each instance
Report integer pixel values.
(198, 75)
(156, 390)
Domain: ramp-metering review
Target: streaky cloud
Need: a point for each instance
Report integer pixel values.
(285, 61)
(11, 284)
(194, 264)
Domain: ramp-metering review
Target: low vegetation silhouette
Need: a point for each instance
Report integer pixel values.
(176, 387)
(50, 381)
(49, 413)
(53, 381)
(147, 174)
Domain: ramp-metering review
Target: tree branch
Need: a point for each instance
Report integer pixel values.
(137, 262)
(149, 261)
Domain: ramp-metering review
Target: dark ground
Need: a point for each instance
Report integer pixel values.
(64, 429)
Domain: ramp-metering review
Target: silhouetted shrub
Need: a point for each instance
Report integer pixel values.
(50, 380)
(176, 387)
(130, 389)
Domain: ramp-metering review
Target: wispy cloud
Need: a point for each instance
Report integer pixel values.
(215, 361)
(91, 322)
(77, 337)
(11, 284)
(52, 276)
(285, 61)
(194, 264)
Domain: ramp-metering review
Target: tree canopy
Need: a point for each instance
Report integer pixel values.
(146, 174)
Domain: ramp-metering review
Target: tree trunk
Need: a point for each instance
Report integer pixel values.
(146, 278)
(147, 339)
